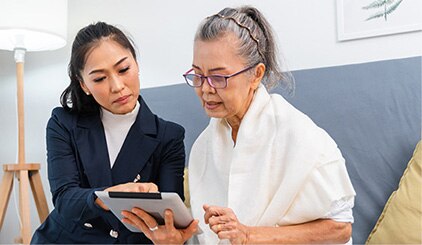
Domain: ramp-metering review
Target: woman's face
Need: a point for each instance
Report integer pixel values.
(219, 57)
(111, 76)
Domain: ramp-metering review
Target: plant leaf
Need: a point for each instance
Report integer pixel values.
(392, 8)
(377, 15)
(375, 4)
(378, 4)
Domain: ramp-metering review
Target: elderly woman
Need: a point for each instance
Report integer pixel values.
(262, 171)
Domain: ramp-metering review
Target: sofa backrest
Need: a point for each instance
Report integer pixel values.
(372, 111)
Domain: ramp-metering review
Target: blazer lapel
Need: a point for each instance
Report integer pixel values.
(92, 148)
(138, 147)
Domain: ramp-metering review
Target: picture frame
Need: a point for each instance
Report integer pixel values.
(358, 19)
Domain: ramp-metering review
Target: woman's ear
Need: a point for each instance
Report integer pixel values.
(84, 87)
(258, 75)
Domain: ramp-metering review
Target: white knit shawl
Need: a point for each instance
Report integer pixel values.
(283, 169)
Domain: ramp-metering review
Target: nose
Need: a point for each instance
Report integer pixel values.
(206, 87)
(116, 84)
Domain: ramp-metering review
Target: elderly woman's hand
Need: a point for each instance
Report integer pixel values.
(159, 234)
(225, 224)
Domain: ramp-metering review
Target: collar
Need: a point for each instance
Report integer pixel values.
(145, 120)
(110, 118)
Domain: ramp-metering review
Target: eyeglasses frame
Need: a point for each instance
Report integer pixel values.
(209, 80)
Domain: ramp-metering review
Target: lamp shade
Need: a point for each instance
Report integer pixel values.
(33, 25)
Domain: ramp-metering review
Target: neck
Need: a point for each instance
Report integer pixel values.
(235, 121)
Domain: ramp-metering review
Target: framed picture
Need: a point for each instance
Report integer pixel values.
(368, 18)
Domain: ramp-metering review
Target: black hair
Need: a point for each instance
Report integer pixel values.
(73, 97)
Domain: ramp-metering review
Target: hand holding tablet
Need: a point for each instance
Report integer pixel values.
(153, 203)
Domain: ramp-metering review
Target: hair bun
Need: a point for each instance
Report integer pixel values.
(251, 12)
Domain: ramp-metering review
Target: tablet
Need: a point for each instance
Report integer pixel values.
(153, 203)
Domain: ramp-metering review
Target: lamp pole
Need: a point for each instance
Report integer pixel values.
(20, 60)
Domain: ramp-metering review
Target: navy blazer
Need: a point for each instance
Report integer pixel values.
(78, 165)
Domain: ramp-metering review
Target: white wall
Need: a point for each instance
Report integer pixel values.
(163, 32)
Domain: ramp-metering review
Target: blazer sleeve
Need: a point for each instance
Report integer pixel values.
(172, 160)
(70, 199)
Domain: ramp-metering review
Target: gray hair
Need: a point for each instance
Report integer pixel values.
(256, 41)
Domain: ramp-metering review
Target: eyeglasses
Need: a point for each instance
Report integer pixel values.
(215, 81)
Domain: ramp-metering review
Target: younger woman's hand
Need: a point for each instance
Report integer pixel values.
(128, 187)
(134, 187)
(159, 234)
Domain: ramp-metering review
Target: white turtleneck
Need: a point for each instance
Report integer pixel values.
(116, 127)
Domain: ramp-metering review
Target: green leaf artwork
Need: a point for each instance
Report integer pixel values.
(387, 7)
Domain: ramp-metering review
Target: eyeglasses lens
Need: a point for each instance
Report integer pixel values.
(217, 81)
(193, 80)
(196, 80)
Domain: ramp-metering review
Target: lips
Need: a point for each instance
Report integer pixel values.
(210, 105)
(122, 99)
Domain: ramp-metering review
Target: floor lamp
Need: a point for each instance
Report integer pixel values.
(25, 26)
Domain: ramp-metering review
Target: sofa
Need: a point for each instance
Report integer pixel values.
(372, 111)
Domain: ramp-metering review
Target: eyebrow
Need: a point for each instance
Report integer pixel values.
(101, 70)
(210, 70)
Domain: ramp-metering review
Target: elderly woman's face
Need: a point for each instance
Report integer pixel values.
(219, 57)
(111, 76)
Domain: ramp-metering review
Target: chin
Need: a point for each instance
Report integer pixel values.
(123, 109)
(119, 112)
(214, 114)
